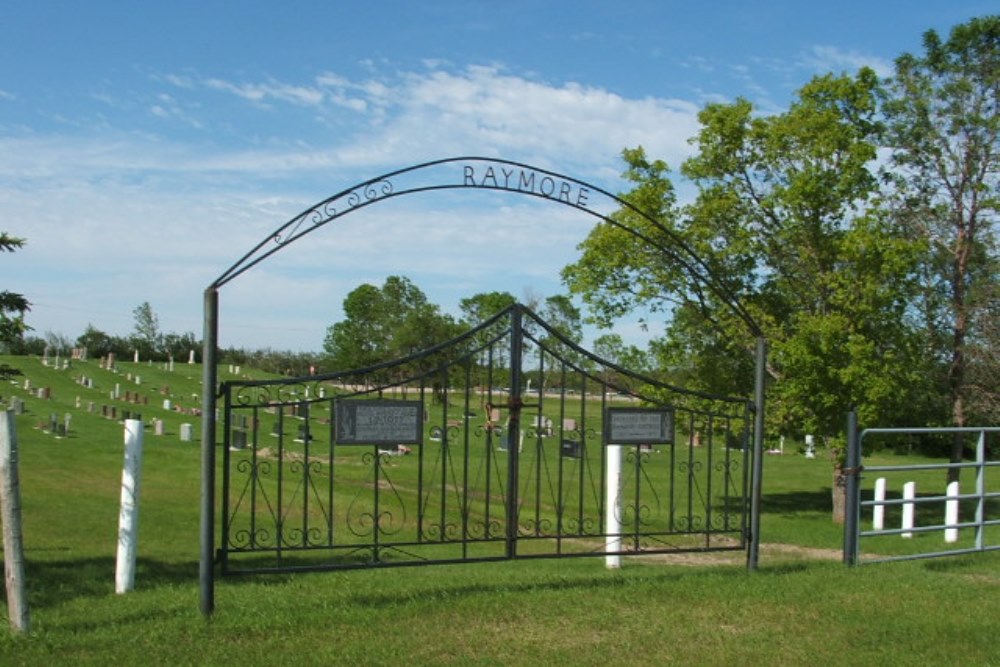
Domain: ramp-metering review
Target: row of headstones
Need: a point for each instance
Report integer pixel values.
(58, 428)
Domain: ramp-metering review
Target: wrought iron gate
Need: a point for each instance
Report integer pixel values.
(492, 446)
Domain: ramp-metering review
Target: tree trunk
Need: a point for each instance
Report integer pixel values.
(839, 493)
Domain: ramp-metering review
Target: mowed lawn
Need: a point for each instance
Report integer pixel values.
(801, 607)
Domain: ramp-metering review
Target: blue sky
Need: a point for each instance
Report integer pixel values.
(144, 147)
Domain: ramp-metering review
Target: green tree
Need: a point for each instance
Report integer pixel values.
(382, 324)
(943, 128)
(480, 307)
(96, 342)
(13, 306)
(146, 336)
(782, 219)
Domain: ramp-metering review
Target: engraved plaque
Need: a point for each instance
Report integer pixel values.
(379, 422)
(639, 426)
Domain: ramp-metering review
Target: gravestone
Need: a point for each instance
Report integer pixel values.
(187, 432)
(167, 405)
(238, 440)
(570, 449)
(158, 427)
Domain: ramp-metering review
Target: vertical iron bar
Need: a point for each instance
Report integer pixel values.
(745, 482)
(306, 480)
(206, 572)
(421, 501)
(226, 463)
(708, 479)
(852, 495)
(279, 528)
(331, 476)
(466, 505)
(513, 433)
(758, 454)
(253, 487)
(488, 407)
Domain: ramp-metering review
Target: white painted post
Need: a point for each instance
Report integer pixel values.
(128, 518)
(191, 357)
(612, 507)
(909, 493)
(10, 515)
(951, 512)
(878, 511)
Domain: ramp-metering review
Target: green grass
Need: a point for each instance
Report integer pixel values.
(795, 610)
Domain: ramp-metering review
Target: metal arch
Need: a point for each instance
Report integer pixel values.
(382, 188)
(379, 188)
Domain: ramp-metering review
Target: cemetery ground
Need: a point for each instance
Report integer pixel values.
(802, 606)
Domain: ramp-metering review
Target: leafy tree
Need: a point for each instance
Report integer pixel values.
(562, 315)
(782, 219)
(146, 336)
(96, 342)
(943, 128)
(178, 346)
(13, 306)
(381, 324)
(480, 307)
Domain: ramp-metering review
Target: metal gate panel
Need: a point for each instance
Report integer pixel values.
(509, 460)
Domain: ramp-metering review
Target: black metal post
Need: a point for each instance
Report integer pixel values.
(852, 504)
(206, 569)
(753, 553)
(514, 430)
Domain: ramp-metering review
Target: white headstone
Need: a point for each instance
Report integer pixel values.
(187, 432)
(191, 357)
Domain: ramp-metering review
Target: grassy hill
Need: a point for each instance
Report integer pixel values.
(801, 607)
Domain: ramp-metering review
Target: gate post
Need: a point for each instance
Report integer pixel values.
(514, 430)
(758, 454)
(852, 492)
(206, 573)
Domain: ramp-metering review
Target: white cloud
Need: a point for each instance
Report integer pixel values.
(831, 58)
(270, 90)
(117, 217)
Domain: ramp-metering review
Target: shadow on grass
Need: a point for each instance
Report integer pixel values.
(820, 500)
(608, 581)
(53, 582)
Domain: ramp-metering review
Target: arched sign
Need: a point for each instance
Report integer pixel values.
(469, 173)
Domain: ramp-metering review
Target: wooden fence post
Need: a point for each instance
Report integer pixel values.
(10, 514)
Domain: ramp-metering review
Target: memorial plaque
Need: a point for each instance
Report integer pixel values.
(639, 426)
(379, 422)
